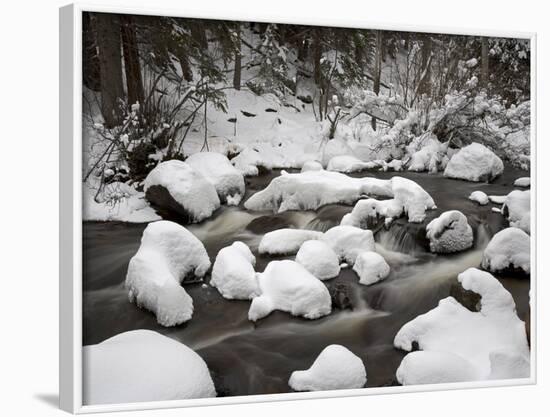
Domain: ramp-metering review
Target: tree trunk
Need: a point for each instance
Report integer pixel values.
(110, 64)
(90, 61)
(317, 53)
(377, 70)
(132, 67)
(237, 69)
(425, 77)
(484, 62)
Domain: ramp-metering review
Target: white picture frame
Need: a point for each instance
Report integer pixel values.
(70, 153)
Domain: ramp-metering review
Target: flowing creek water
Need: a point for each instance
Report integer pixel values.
(258, 358)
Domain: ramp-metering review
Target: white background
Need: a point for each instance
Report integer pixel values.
(29, 200)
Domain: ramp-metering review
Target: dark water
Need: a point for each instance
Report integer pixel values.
(247, 358)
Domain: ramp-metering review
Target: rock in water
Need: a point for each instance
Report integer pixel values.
(371, 268)
(335, 368)
(167, 255)
(143, 365)
(450, 232)
(233, 272)
(319, 259)
(175, 189)
(474, 162)
(508, 250)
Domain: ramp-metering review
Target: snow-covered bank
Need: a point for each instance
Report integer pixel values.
(335, 368)
(143, 365)
(490, 343)
(168, 254)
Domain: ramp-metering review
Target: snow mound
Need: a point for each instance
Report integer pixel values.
(474, 162)
(218, 171)
(348, 242)
(233, 272)
(288, 286)
(431, 367)
(450, 232)
(347, 164)
(523, 182)
(371, 268)
(312, 166)
(286, 241)
(319, 259)
(247, 161)
(143, 365)
(336, 367)
(313, 189)
(493, 340)
(517, 208)
(371, 209)
(497, 199)
(333, 148)
(175, 186)
(429, 157)
(167, 255)
(480, 197)
(509, 248)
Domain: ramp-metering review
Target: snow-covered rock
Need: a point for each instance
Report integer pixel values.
(143, 365)
(233, 272)
(517, 209)
(313, 189)
(336, 367)
(523, 182)
(319, 259)
(492, 341)
(247, 162)
(450, 232)
(168, 254)
(371, 209)
(348, 242)
(509, 248)
(474, 162)
(432, 367)
(429, 157)
(174, 186)
(312, 166)
(217, 170)
(288, 286)
(371, 267)
(347, 164)
(286, 241)
(497, 199)
(332, 148)
(480, 197)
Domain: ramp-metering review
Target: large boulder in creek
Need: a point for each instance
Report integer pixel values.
(474, 162)
(177, 191)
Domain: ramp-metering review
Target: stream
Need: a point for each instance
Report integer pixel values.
(258, 358)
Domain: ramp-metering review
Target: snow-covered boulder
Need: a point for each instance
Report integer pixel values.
(450, 232)
(247, 162)
(312, 166)
(313, 189)
(348, 242)
(143, 365)
(492, 341)
(336, 367)
(365, 210)
(523, 182)
(288, 286)
(347, 164)
(497, 199)
(517, 209)
(319, 259)
(432, 367)
(480, 197)
(508, 249)
(474, 162)
(371, 267)
(168, 254)
(174, 187)
(286, 241)
(217, 170)
(233, 272)
(428, 158)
